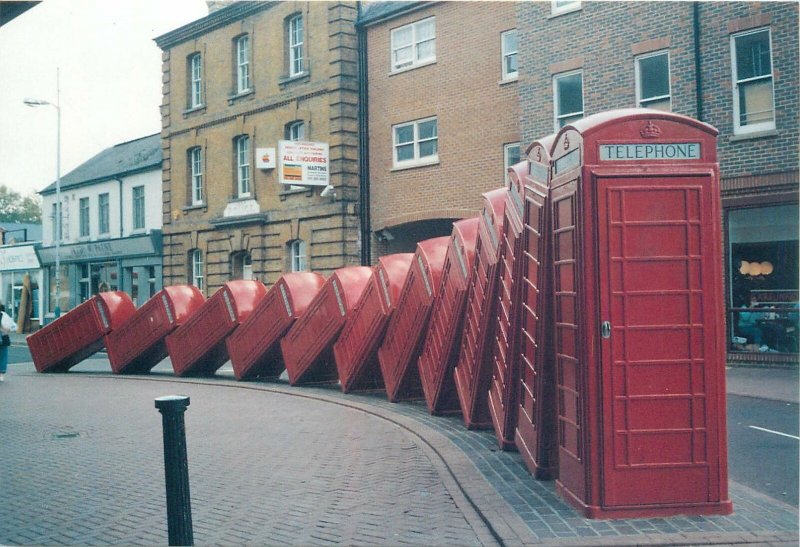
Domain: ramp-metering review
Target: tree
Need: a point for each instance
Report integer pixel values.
(15, 208)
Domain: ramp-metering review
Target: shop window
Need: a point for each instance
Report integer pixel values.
(753, 100)
(152, 281)
(241, 265)
(58, 288)
(567, 98)
(508, 41)
(763, 302)
(414, 44)
(17, 283)
(652, 81)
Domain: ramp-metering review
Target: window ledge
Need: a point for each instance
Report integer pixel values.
(283, 194)
(509, 80)
(415, 164)
(302, 77)
(232, 99)
(195, 207)
(754, 135)
(565, 12)
(392, 72)
(199, 109)
(138, 232)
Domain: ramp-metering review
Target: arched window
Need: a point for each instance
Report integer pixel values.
(297, 255)
(196, 268)
(296, 39)
(241, 265)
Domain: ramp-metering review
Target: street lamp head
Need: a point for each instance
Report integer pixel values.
(36, 102)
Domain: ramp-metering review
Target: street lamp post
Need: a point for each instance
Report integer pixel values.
(57, 220)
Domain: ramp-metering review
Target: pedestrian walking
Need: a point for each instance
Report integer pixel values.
(6, 326)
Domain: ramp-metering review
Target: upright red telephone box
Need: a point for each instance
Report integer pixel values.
(307, 347)
(440, 350)
(531, 340)
(198, 346)
(140, 344)
(473, 370)
(356, 350)
(404, 335)
(639, 316)
(254, 347)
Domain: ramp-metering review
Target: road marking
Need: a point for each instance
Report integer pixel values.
(774, 432)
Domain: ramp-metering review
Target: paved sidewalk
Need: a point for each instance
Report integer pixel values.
(275, 464)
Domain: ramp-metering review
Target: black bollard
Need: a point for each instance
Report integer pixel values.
(176, 469)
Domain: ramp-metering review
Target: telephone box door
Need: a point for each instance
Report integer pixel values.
(658, 327)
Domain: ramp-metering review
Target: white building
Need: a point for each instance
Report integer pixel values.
(111, 226)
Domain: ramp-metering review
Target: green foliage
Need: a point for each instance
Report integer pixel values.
(16, 208)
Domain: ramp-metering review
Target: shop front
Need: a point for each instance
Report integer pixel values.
(131, 264)
(763, 303)
(20, 279)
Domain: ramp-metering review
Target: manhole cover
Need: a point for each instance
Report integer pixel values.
(68, 434)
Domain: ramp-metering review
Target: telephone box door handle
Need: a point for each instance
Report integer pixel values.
(605, 329)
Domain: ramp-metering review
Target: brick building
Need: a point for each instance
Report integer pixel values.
(733, 65)
(443, 117)
(238, 85)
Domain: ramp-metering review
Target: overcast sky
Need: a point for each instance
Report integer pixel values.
(110, 81)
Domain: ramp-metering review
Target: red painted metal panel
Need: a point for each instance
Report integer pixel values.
(140, 344)
(307, 347)
(254, 347)
(639, 340)
(473, 370)
(79, 333)
(356, 350)
(440, 349)
(198, 346)
(403, 339)
(530, 342)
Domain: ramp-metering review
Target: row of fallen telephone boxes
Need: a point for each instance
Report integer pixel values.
(578, 315)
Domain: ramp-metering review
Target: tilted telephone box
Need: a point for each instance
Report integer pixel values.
(197, 348)
(440, 349)
(140, 344)
(404, 335)
(531, 341)
(473, 370)
(307, 347)
(639, 319)
(356, 350)
(254, 348)
(80, 332)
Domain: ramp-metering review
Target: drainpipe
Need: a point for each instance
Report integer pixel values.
(698, 75)
(363, 144)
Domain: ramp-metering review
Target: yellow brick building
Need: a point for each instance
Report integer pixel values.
(235, 83)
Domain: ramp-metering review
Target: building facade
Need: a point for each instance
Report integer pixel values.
(249, 82)
(20, 273)
(733, 65)
(443, 115)
(109, 237)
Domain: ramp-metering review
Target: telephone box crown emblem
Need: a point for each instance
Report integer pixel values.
(650, 131)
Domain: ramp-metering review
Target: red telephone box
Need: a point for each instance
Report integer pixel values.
(356, 350)
(639, 318)
(531, 339)
(140, 344)
(198, 346)
(439, 352)
(254, 348)
(473, 370)
(403, 339)
(79, 333)
(307, 346)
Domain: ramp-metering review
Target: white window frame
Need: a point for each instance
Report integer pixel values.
(556, 116)
(506, 162)
(83, 218)
(197, 269)
(560, 8)
(196, 174)
(195, 81)
(508, 75)
(243, 177)
(414, 44)
(103, 211)
(297, 254)
(739, 129)
(296, 43)
(296, 131)
(138, 207)
(416, 160)
(643, 102)
(243, 84)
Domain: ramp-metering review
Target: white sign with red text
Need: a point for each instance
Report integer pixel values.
(303, 163)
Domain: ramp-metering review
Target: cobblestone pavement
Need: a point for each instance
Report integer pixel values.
(275, 464)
